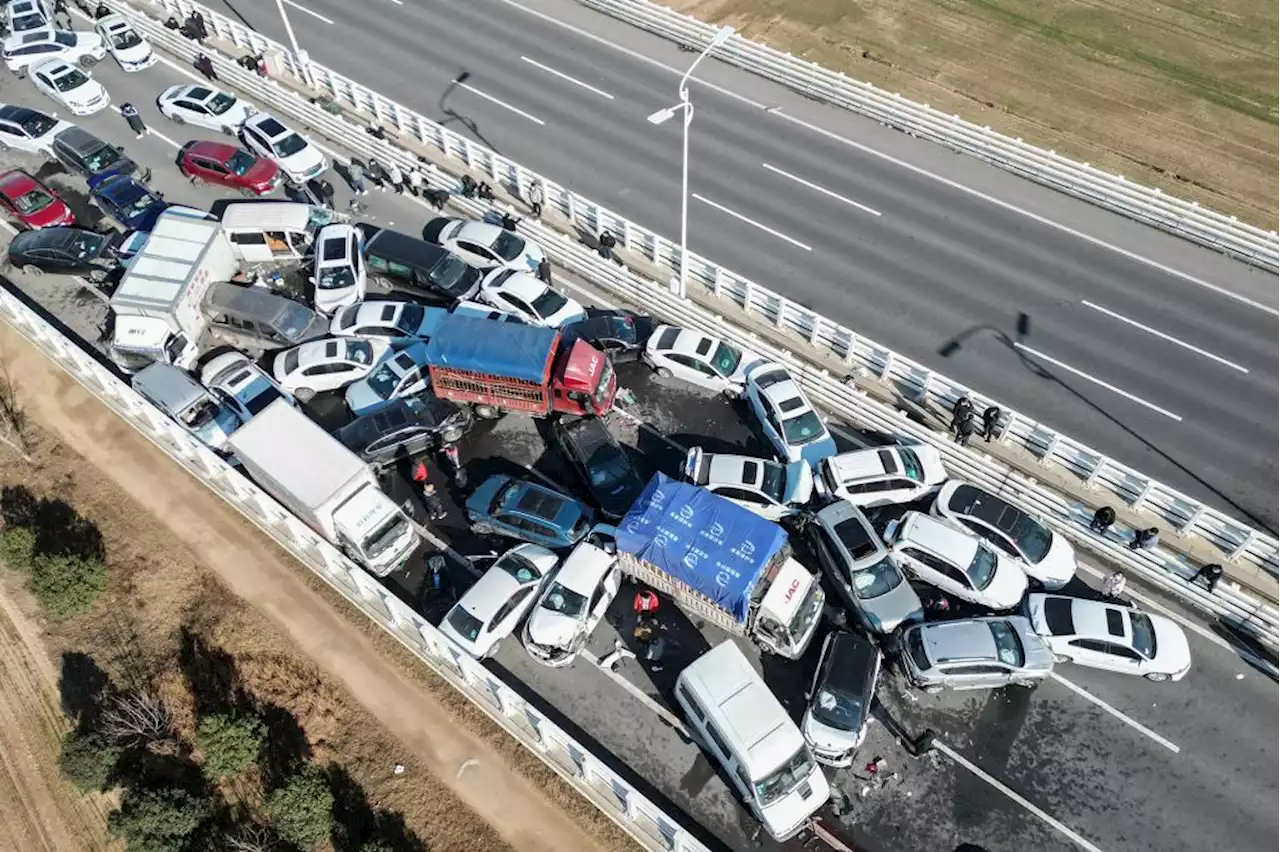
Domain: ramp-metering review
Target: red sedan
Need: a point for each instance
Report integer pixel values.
(31, 202)
(229, 166)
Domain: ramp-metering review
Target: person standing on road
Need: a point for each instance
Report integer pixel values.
(544, 271)
(1114, 584)
(395, 177)
(990, 422)
(355, 177)
(131, 115)
(536, 198)
(416, 182)
(1145, 539)
(62, 15)
(377, 173)
(965, 428)
(1212, 573)
(205, 66)
(1102, 520)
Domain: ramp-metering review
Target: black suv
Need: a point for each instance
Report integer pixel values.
(405, 428)
(412, 266)
(605, 468)
(67, 251)
(88, 156)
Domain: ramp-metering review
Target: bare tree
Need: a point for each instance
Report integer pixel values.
(250, 837)
(13, 418)
(139, 718)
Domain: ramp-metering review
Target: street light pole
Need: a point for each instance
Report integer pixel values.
(678, 286)
(299, 55)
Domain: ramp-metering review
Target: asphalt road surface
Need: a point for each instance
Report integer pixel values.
(1159, 364)
(1175, 767)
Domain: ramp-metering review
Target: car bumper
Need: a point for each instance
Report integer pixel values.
(140, 64)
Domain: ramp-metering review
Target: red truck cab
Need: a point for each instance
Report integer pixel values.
(585, 383)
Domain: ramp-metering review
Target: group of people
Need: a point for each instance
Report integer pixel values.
(964, 421)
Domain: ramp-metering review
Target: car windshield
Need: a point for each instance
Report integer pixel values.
(564, 601)
(1008, 645)
(36, 199)
(876, 580)
(38, 125)
(73, 79)
(359, 352)
(383, 381)
(125, 40)
(785, 779)
(774, 481)
(411, 316)
(1034, 539)
(240, 162)
(139, 205)
(803, 429)
(911, 464)
(290, 145)
(726, 359)
(220, 103)
(103, 158)
(447, 272)
(983, 567)
(521, 569)
(508, 246)
(294, 320)
(1144, 635)
(336, 278)
(548, 303)
(809, 610)
(609, 468)
(506, 494)
(465, 624)
(838, 708)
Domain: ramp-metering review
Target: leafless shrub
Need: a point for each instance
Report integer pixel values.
(13, 418)
(139, 718)
(250, 837)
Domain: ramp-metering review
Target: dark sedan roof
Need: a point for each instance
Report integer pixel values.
(850, 664)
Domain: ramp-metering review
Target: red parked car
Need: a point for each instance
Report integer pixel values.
(32, 203)
(229, 166)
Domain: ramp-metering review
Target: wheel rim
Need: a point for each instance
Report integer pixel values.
(664, 372)
(1059, 658)
(32, 269)
(304, 394)
(1158, 677)
(247, 192)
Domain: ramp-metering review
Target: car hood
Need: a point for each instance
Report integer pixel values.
(304, 162)
(362, 399)
(571, 312)
(828, 739)
(329, 301)
(1173, 654)
(1007, 586)
(261, 173)
(1058, 566)
(552, 629)
(54, 215)
(84, 95)
(898, 606)
(135, 55)
(815, 451)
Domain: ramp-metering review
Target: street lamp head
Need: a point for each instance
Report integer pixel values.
(662, 116)
(722, 35)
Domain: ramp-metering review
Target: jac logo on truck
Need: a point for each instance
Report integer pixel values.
(791, 590)
(593, 366)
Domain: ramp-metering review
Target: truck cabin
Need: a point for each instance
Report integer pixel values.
(584, 378)
(788, 602)
(137, 342)
(264, 231)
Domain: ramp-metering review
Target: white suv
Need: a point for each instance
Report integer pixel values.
(956, 562)
(881, 475)
(22, 50)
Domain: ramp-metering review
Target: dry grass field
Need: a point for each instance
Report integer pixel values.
(1181, 95)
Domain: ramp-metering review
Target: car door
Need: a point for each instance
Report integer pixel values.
(691, 370)
(45, 84)
(189, 110)
(1091, 652)
(212, 171)
(508, 615)
(756, 502)
(1125, 659)
(512, 302)
(476, 254)
(604, 594)
(257, 142)
(772, 427)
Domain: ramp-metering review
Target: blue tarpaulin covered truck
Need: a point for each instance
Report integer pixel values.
(720, 562)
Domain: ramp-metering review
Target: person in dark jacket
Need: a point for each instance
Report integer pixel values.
(436, 197)
(484, 192)
(965, 428)
(509, 222)
(131, 115)
(962, 408)
(101, 11)
(606, 242)
(378, 174)
(205, 66)
(197, 21)
(467, 186)
(544, 271)
(1145, 539)
(1211, 573)
(990, 422)
(1102, 520)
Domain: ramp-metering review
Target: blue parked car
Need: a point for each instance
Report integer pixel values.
(527, 511)
(134, 206)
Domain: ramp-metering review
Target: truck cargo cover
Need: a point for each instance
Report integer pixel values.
(708, 543)
(483, 345)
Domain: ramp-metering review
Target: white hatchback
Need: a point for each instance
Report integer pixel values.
(397, 322)
(71, 87)
(241, 384)
(22, 50)
(339, 276)
(694, 357)
(880, 476)
(125, 43)
(573, 604)
(956, 562)
(290, 150)
(483, 245)
(527, 297)
(204, 106)
(766, 487)
(490, 610)
(327, 365)
(1107, 635)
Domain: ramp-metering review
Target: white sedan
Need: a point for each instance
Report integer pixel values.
(490, 610)
(483, 245)
(1107, 635)
(296, 157)
(126, 44)
(30, 130)
(24, 15)
(699, 359)
(573, 604)
(22, 50)
(204, 106)
(241, 384)
(400, 374)
(327, 365)
(398, 322)
(879, 476)
(527, 297)
(339, 276)
(771, 490)
(71, 87)
(786, 417)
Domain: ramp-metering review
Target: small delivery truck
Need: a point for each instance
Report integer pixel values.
(499, 367)
(722, 563)
(326, 485)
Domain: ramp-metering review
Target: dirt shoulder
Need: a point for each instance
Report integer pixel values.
(520, 811)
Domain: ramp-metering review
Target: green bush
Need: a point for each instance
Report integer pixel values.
(17, 544)
(88, 760)
(302, 809)
(159, 820)
(66, 585)
(376, 845)
(231, 743)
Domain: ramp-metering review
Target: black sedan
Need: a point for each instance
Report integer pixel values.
(70, 251)
(620, 333)
(405, 428)
(604, 467)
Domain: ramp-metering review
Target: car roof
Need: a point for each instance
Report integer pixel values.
(114, 23)
(228, 363)
(969, 499)
(849, 526)
(19, 114)
(17, 181)
(939, 537)
(208, 148)
(521, 284)
(588, 433)
(691, 342)
(584, 568)
(487, 595)
(378, 313)
(864, 464)
(478, 232)
(539, 502)
(736, 470)
(82, 141)
(326, 350)
(196, 92)
(787, 398)
(273, 127)
(397, 246)
(337, 233)
(851, 662)
(56, 67)
(969, 639)
(1099, 620)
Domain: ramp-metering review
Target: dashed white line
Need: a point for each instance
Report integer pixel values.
(1132, 723)
(1082, 374)
(764, 228)
(864, 208)
(302, 8)
(1056, 824)
(1163, 336)
(641, 424)
(563, 76)
(488, 97)
(670, 718)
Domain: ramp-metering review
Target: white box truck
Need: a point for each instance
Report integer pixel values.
(326, 485)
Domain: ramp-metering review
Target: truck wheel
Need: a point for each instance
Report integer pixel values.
(487, 412)
(32, 269)
(304, 394)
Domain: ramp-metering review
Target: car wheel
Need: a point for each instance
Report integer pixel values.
(1156, 677)
(304, 394)
(196, 180)
(176, 119)
(227, 130)
(97, 276)
(247, 192)
(663, 372)
(482, 528)
(932, 690)
(1061, 658)
(732, 394)
(1026, 684)
(32, 269)
(87, 62)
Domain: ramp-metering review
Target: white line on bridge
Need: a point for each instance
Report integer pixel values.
(302, 8)
(1137, 726)
(563, 76)
(1099, 382)
(864, 208)
(473, 90)
(764, 228)
(1163, 336)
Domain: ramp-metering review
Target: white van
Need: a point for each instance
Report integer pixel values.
(740, 723)
(265, 230)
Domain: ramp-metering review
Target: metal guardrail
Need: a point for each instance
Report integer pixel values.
(1149, 205)
(1235, 608)
(1246, 546)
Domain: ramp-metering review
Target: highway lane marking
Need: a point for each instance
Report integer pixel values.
(488, 97)
(667, 716)
(564, 76)
(764, 228)
(864, 208)
(1068, 832)
(1082, 374)
(1013, 208)
(302, 8)
(641, 424)
(1133, 723)
(1163, 336)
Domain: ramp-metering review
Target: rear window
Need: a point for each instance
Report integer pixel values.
(335, 249)
(855, 536)
(1057, 616)
(915, 647)
(1008, 645)
(789, 405)
(465, 624)
(667, 339)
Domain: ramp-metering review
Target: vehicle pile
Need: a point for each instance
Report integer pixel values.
(240, 321)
